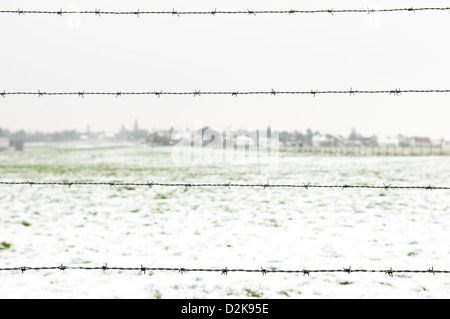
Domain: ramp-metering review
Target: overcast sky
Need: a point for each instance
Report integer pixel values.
(230, 53)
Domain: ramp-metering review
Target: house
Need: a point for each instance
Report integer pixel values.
(420, 142)
(325, 140)
(7, 144)
(17, 145)
(389, 141)
(438, 142)
(4, 144)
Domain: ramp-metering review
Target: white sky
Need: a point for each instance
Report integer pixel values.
(232, 53)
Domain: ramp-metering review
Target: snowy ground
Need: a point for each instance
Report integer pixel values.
(217, 228)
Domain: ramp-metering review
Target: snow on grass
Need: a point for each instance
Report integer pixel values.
(218, 227)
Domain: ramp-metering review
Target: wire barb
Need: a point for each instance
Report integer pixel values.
(224, 271)
(390, 272)
(175, 13)
(143, 269)
(396, 92)
(431, 270)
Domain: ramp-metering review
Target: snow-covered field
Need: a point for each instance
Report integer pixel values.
(218, 227)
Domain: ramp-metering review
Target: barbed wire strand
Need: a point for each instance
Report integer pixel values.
(173, 12)
(226, 271)
(228, 185)
(195, 93)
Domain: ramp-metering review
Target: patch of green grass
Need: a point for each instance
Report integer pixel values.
(4, 245)
(160, 196)
(412, 254)
(157, 294)
(385, 284)
(345, 283)
(252, 293)
(134, 211)
(273, 222)
(357, 210)
(284, 293)
(231, 292)
(26, 224)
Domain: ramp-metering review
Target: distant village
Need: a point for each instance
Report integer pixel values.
(16, 140)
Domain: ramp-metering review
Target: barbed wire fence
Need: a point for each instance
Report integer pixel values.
(228, 185)
(226, 271)
(197, 93)
(215, 12)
